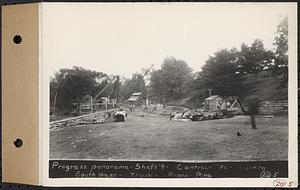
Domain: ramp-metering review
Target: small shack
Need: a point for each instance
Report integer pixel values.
(136, 99)
(212, 103)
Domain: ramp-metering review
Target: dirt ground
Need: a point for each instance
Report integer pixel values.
(155, 137)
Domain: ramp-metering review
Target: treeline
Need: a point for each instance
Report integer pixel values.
(69, 86)
(224, 72)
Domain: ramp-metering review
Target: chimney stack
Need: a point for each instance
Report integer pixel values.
(209, 91)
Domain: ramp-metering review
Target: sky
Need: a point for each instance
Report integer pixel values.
(122, 39)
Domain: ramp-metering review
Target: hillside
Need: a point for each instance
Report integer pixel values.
(267, 89)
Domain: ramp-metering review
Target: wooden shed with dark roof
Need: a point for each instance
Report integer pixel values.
(136, 99)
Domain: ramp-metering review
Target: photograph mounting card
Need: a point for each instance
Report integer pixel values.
(168, 94)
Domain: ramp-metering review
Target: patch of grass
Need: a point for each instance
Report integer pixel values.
(155, 137)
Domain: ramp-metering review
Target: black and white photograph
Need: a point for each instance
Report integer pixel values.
(169, 83)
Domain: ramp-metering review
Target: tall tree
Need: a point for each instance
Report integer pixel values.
(281, 52)
(135, 84)
(157, 87)
(255, 58)
(171, 81)
(73, 85)
(220, 73)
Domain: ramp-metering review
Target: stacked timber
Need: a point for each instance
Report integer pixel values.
(92, 118)
(274, 107)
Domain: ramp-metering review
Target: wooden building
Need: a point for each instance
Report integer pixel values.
(212, 103)
(136, 99)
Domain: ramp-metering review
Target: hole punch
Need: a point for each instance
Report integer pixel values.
(17, 39)
(18, 143)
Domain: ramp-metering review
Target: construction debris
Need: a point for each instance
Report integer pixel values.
(197, 115)
(140, 114)
(120, 116)
(93, 118)
(216, 102)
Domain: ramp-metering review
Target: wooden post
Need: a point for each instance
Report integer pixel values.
(114, 103)
(106, 104)
(108, 101)
(54, 104)
(91, 104)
